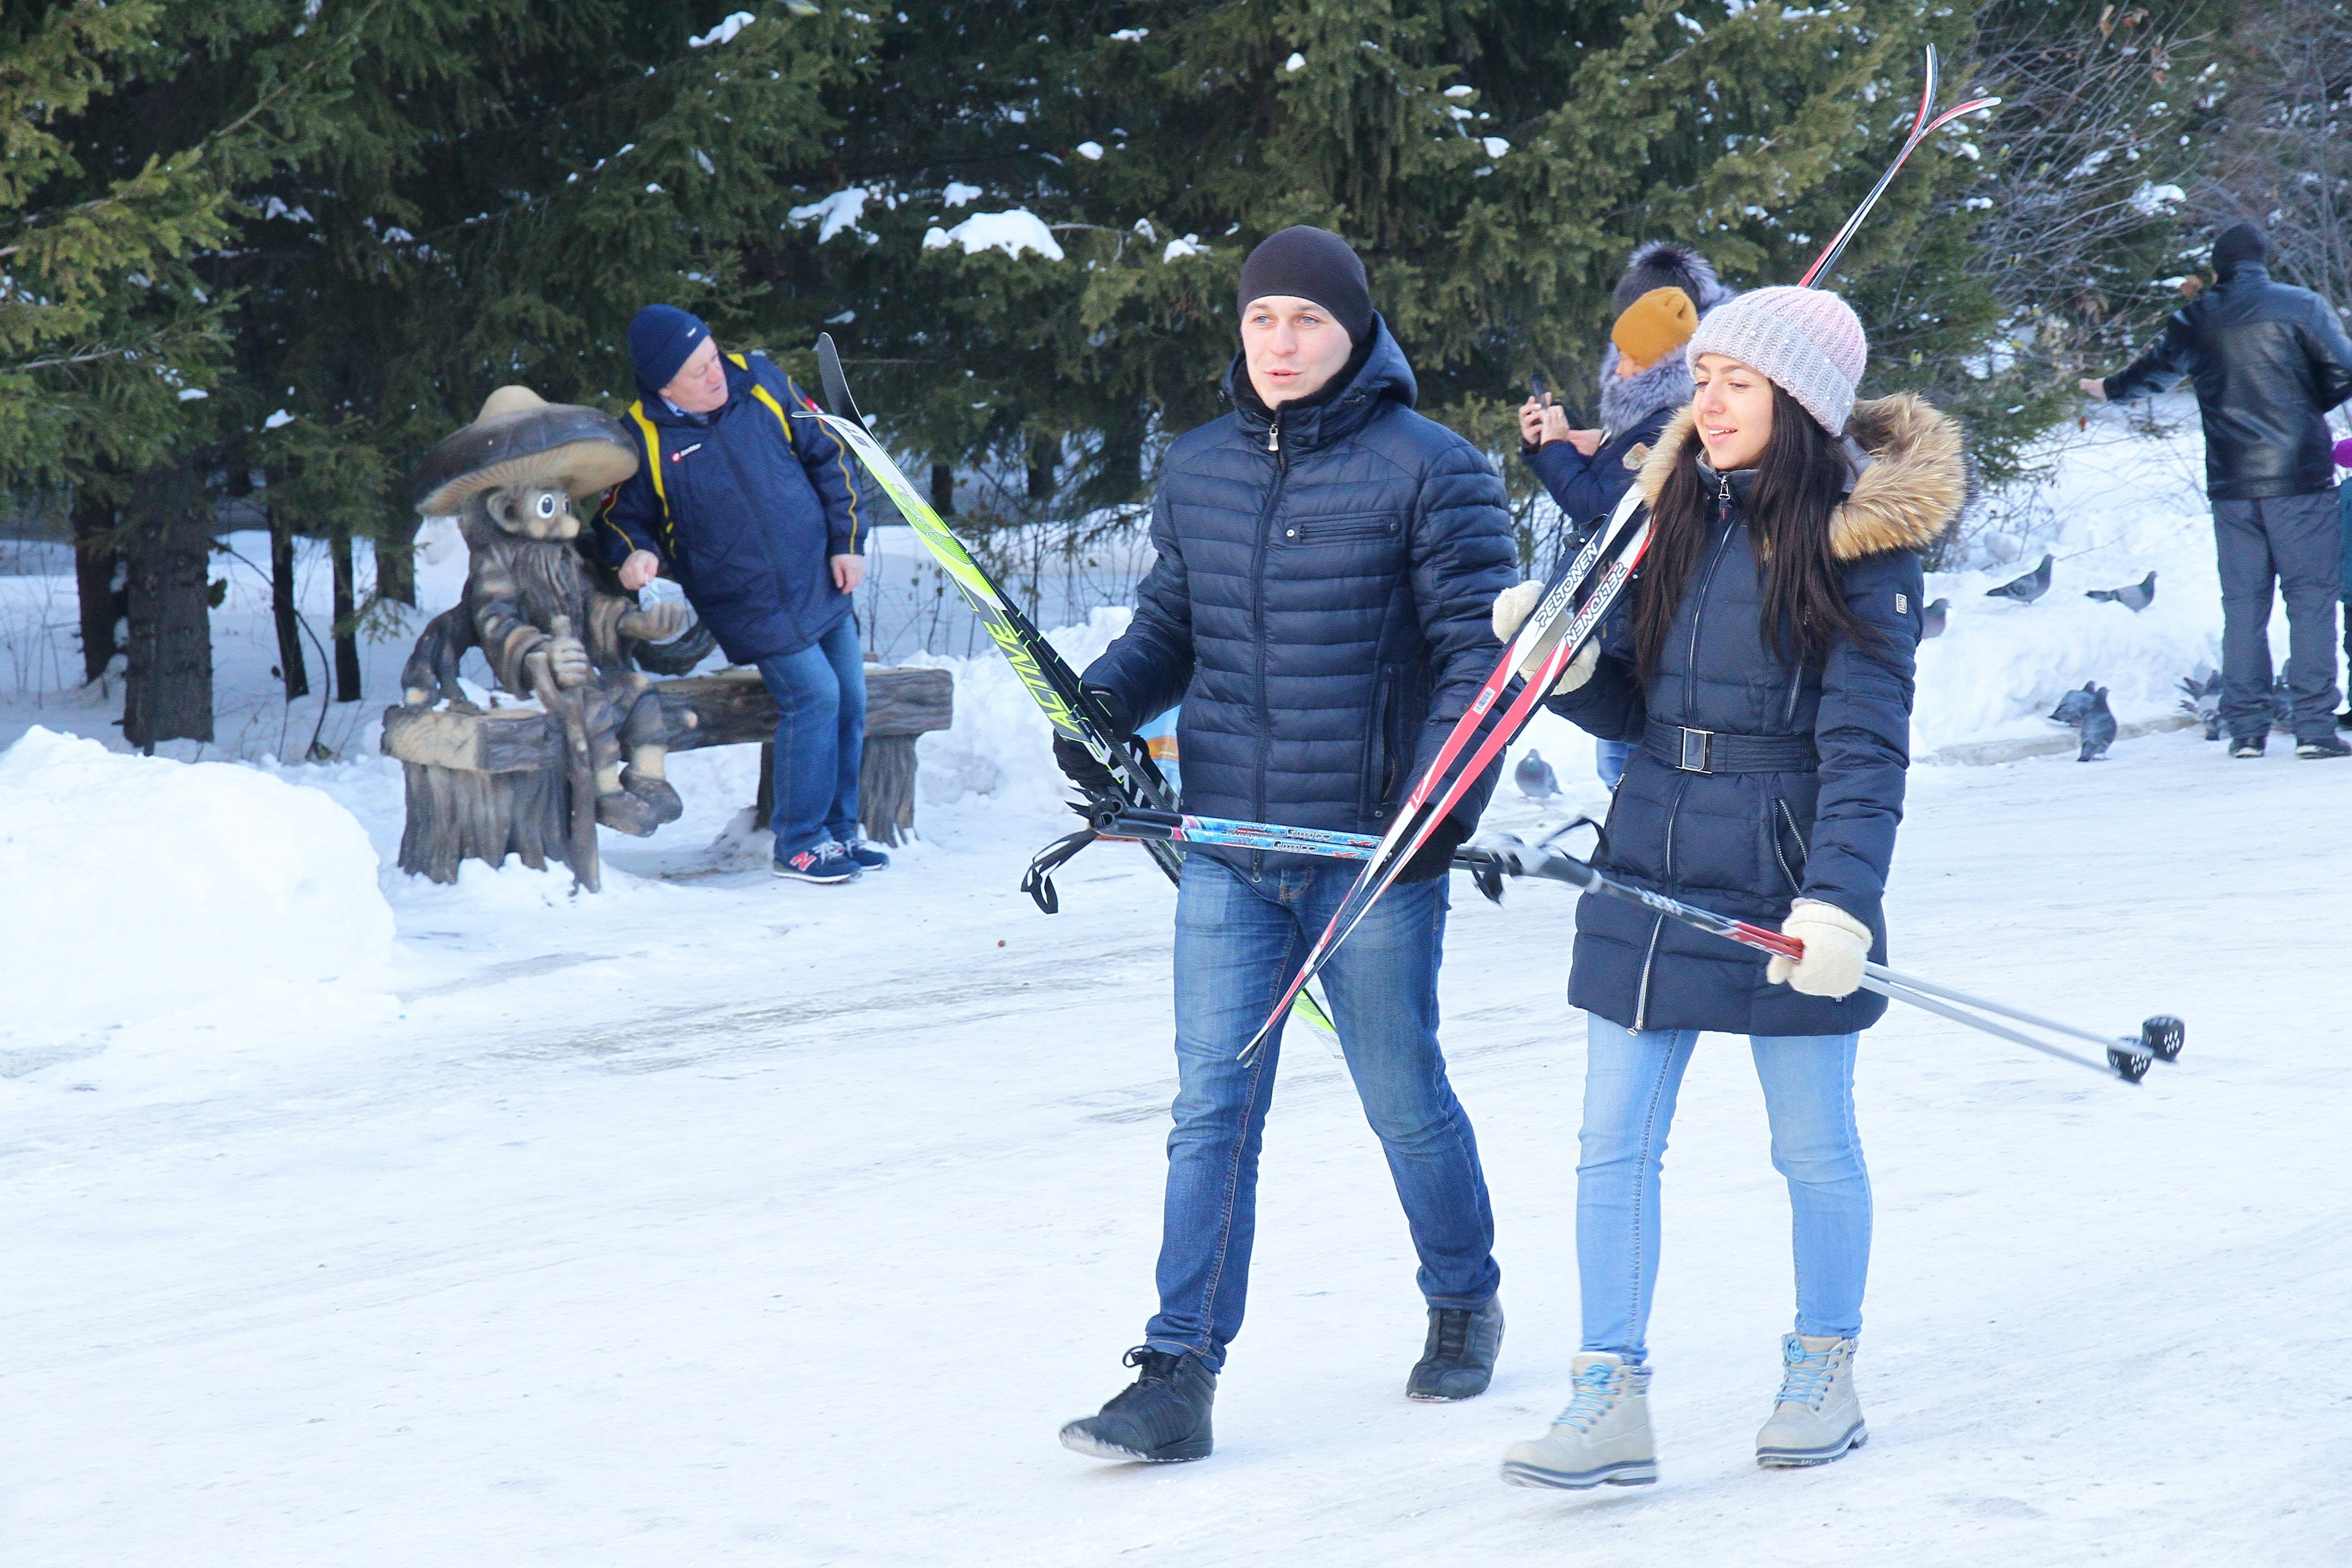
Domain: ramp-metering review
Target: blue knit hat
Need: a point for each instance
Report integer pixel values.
(661, 339)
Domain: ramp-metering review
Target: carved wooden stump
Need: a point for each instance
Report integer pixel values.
(484, 786)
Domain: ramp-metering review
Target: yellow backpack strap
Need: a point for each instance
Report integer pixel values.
(841, 454)
(653, 470)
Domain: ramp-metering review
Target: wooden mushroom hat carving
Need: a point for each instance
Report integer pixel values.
(520, 440)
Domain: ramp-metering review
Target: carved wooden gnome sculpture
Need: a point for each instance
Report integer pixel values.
(510, 477)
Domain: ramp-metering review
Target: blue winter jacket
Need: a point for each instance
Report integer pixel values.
(1748, 843)
(1320, 603)
(746, 507)
(1589, 487)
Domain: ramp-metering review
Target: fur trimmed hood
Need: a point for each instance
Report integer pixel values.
(1911, 478)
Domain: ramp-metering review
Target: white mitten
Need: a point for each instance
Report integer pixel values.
(1836, 947)
(1513, 606)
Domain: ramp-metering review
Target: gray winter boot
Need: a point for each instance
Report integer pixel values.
(1815, 1417)
(1602, 1435)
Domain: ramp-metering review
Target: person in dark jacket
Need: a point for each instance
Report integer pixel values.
(757, 513)
(1763, 663)
(2268, 362)
(1644, 379)
(1326, 558)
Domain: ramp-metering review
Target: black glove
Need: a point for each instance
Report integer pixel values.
(1436, 856)
(1080, 765)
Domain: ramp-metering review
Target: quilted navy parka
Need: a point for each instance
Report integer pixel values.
(746, 507)
(1748, 843)
(1320, 603)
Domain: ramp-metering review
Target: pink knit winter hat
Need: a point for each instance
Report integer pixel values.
(1807, 340)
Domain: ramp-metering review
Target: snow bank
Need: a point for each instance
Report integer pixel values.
(999, 744)
(137, 886)
(2116, 506)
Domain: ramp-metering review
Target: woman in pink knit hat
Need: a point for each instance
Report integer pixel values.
(1763, 665)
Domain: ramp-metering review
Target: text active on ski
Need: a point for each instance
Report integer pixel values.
(1414, 825)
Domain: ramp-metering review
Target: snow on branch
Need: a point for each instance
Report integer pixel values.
(1012, 232)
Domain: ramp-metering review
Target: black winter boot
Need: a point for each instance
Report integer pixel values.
(1458, 1362)
(1162, 1416)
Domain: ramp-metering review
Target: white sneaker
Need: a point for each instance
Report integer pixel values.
(1815, 1416)
(1602, 1435)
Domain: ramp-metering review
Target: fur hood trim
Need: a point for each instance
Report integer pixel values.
(1913, 484)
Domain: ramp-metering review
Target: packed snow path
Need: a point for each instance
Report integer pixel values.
(764, 1224)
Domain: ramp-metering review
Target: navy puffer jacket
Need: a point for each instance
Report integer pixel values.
(1748, 843)
(746, 507)
(1320, 603)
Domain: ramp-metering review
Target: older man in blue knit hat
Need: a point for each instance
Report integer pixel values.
(758, 516)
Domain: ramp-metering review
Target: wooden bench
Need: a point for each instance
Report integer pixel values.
(485, 785)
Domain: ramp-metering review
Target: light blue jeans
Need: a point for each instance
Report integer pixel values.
(1239, 939)
(1631, 1079)
(1609, 760)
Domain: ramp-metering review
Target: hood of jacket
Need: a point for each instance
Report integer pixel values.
(1384, 375)
(1913, 482)
(1626, 402)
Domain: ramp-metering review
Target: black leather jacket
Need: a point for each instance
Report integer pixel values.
(2268, 363)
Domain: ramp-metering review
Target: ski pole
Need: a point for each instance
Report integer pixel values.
(2161, 1038)
(1169, 826)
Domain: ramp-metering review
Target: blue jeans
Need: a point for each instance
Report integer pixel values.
(1239, 939)
(1609, 760)
(1630, 1082)
(820, 696)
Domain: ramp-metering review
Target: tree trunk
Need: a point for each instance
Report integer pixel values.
(396, 561)
(98, 561)
(291, 665)
(168, 689)
(943, 489)
(1044, 459)
(347, 634)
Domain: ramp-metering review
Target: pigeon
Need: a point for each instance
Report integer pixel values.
(2098, 728)
(1534, 778)
(1934, 618)
(2134, 596)
(2028, 588)
(2204, 698)
(2076, 706)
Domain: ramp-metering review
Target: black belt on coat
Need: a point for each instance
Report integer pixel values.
(1715, 751)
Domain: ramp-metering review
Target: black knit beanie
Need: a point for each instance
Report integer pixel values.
(1309, 263)
(2237, 245)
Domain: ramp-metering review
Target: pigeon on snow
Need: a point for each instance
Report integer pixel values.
(1934, 618)
(2203, 699)
(2076, 706)
(2133, 596)
(1534, 778)
(2098, 728)
(2028, 588)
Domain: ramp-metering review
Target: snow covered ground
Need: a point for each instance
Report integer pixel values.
(714, 1219)
(723, 1221)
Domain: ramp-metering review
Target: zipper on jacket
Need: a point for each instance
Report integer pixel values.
(1698, 609)
(1795, 884)
(1641, 1005)
(1273, 432)
(1257, 605)
(1649, 961)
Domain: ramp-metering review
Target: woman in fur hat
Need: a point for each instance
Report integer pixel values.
(1762, 664)
(1644, 379)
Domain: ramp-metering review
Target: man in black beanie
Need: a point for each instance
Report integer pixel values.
(1327, 558)
(2268, 363)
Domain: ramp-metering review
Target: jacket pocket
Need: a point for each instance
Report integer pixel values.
(1382, 743)
(1351, 528)
(1788, 844)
